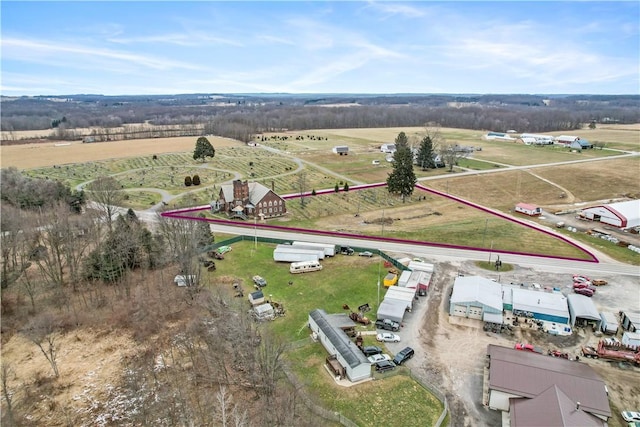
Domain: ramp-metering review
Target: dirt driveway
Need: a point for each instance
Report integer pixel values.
(450, 351)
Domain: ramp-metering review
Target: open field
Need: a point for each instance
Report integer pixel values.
(30, 156)
(554, 188)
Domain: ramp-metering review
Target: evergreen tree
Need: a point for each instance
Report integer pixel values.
(195, 180)
(336, 188)
(402, 179)
(425, 154)
(346, 187)
(203, 149)
(187, 181)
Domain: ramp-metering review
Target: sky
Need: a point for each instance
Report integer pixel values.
(171, 47)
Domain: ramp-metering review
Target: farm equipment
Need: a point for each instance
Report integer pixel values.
(558, 353)
(613, 351)
(359, 318)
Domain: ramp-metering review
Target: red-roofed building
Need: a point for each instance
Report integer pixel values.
(527, 209)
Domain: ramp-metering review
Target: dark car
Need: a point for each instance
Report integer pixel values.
(384, 366)
(404, 355)
(371, 350)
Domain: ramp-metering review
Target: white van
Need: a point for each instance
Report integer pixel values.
(304, 267)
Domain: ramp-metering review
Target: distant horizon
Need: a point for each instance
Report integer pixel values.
(343, 94)
(118, 48)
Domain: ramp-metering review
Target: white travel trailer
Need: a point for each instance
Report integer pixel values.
(304, 267)
(329, 249)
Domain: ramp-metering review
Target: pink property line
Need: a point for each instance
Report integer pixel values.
(180, 214)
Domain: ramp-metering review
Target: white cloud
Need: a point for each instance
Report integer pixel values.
(38, 51)
(180, 39)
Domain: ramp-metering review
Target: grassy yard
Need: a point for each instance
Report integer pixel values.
(348, 280)
(391, 399)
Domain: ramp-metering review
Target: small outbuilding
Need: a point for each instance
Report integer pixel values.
(528, 209)
(609, 323)
(631, 339)
(630, 321)
(342, 150)
(264, 312)
(392, 310)
(256, 298)
(185, 280)
(583, 311)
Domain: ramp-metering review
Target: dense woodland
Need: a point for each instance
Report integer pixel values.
(196, 357)
(242, 116)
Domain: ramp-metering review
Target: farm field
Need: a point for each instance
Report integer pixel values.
(305, 162)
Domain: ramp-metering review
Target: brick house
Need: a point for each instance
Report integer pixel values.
(243, 199)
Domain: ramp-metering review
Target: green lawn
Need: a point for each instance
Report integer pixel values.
(392, 399)
(350, 280)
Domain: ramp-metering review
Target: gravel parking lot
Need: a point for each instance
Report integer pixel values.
(450, 351)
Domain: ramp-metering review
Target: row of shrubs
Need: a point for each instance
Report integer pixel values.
(188, 181)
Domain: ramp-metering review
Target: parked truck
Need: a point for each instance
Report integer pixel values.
(613, 351)
(388, 325)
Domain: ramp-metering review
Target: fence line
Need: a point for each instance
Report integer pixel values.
(316, 409)
(437, 393)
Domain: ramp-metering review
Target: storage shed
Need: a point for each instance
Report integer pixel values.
(264, 312)
(342, 150)
(609, 323)
(621, 214)
(338, 344)
(404, 295)
(477, 298)
(528, 209)
(392, 310)
(583, 312)
(631, 339)
(256, 298)
(630, 321)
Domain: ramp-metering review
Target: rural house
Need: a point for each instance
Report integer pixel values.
(242, 199)
(329, 330)
(528, 209)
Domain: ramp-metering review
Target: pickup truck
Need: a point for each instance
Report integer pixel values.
(388, 325)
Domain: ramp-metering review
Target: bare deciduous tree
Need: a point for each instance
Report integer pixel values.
(42, 332)
(5, 372)
(108, 195)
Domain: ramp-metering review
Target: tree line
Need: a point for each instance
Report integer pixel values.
(241, 117)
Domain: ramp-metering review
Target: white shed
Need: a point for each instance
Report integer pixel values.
(609, 322)
(631, 338)
(342, 150)
(476, 297)
(528, 209)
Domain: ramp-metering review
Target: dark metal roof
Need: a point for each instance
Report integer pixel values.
(347, 348)
(529, 374)
(550, 408)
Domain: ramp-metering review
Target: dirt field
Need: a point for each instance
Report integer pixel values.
(30, 156)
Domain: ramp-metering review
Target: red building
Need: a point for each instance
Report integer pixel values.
(242, 199)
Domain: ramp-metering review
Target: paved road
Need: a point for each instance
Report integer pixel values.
(445, 254)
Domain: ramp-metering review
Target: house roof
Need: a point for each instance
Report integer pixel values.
(347, 348)
(529, 374)
(583, 307)
(527, 206)
(550, 408)
(551, 303)
(391, 309)
(257, 192)
(469, 289)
